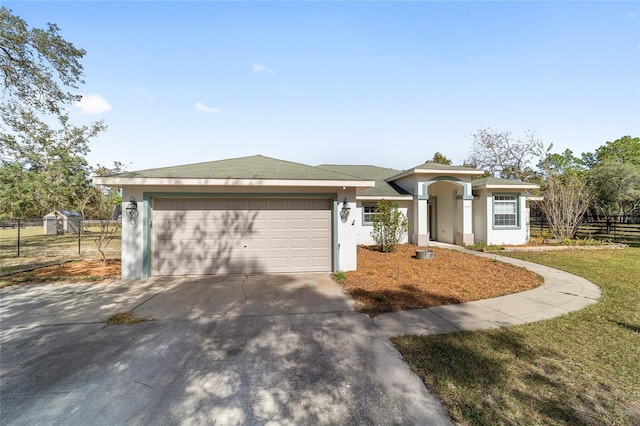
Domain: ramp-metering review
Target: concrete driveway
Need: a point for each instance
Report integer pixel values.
(276, 349)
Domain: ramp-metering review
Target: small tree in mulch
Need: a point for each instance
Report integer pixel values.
(389, 225)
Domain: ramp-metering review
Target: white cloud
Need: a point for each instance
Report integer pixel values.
(203, 108)
(92, 104)
(262, 68)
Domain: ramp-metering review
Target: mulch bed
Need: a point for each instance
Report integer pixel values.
(92, 270)
(389, 282)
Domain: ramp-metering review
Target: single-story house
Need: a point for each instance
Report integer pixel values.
(62, 221)
(259, 214)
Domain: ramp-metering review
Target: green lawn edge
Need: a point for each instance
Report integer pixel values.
(581, 368)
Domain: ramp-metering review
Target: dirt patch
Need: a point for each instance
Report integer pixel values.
(81, 270)
(389, 282)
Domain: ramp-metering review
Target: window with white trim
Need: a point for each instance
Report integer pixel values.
(505, 211)
(368, 213)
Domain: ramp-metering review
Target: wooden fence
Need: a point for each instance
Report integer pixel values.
(621, 229)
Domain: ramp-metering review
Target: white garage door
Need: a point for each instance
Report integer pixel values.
(218, 236)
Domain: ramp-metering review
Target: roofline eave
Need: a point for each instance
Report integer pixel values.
(446, 172)
(520, 186)
(119, 182)
(384, 197)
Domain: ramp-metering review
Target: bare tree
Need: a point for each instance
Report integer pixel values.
(104, 200)
(566, 199)
(500, 154)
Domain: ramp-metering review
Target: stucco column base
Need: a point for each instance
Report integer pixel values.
(464, 239)
(423, 240)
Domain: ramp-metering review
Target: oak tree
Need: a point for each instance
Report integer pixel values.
(43, 162)
(503, 156)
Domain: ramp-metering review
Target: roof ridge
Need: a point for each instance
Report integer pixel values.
(247, 167)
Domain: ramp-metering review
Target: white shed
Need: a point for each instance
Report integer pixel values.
(62, 221)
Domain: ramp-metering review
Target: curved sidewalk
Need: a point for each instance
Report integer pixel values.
(561, 293)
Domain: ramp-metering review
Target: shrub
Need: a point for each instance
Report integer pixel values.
(389, 225)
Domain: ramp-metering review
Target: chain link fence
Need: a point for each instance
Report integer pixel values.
(40, 238)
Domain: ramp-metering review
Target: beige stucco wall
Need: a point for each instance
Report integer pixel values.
(133, 235)
(363, 232)
(505, 236)
(481, 216)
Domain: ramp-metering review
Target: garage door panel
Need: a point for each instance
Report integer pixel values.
(278, 205)
(191, 215)
(197, 234)
(201, 266)
(321, 263)
(299, 262)
(321, 224)
(277, 224)
(260, 244)
(210, 224)
(299, 224)
(300, 204)
(257, 224)
(216, 236)
(257, 204)
(299, 243)
(277, 243)
(165, 204)
(214, 246)
(320, 243)
(198, 254)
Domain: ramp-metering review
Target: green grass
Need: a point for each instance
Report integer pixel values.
(125, 318)
(33, 238)
(340, 276)
(582, 368)
(38, 249)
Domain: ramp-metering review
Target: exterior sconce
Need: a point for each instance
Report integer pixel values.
(344, 212)
(132, 210)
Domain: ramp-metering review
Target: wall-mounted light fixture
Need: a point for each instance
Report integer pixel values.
(132, 210)
(344, 212)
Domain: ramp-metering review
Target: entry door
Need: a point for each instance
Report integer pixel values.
(432, 211)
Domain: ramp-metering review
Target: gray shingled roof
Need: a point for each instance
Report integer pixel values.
(440, 166)
(254, 167)
(498, 181)
(377, 174)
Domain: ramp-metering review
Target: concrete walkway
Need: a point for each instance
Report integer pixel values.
(561, 293)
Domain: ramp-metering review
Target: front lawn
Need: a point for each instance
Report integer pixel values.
(582, 368)
(36, 248)
(70, 271)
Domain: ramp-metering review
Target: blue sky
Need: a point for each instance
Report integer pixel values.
(384, 83)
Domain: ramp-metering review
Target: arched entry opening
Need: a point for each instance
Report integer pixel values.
(448, 211)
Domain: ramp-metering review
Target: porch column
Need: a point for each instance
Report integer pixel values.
(422, 223)
(466, 237)
(467, 222)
